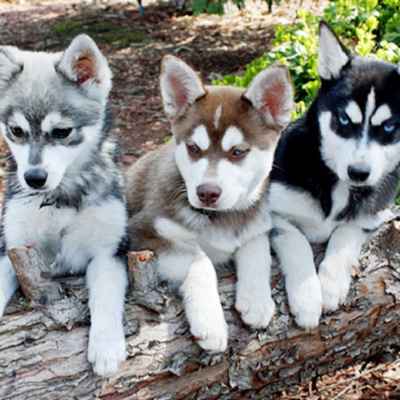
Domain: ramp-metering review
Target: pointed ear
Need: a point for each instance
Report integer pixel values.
(9, 66)
(333, 56)
(180, 86)
(271, 93)
(84, 64)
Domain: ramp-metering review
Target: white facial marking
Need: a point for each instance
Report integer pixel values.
(18, 119)
(369, 109)
(217, 116)
(200, 137)
(381, 115)
(339, 153)
(232, 137)
(50, 120)
(193, 172)
(354, 113)
(55, 120)
(242, 184)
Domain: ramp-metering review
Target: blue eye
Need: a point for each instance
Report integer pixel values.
(389, 127)
(344, 119)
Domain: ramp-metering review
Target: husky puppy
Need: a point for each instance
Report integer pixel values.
(198, 201)
(335, 172)
(64, 188)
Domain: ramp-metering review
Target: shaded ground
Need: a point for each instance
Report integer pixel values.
(134, 46)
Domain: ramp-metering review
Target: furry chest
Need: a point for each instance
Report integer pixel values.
(221, 244)
(305, 212)
(25, 223)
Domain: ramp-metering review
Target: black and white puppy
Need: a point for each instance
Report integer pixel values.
(335, 172)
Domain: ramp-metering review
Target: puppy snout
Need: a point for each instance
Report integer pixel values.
(208, 194)
(35, 177)
(359, 172)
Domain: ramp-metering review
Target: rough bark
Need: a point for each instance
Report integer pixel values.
(43, 347)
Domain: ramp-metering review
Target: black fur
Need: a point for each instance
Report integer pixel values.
(298, 162)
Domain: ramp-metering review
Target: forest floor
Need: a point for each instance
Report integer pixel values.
(214, 45)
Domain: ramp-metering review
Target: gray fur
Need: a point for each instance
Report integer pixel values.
(76, 215)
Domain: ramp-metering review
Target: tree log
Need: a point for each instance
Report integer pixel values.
(43, 347)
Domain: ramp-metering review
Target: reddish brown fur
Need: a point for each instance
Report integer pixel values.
(236, 111)
(155, 187)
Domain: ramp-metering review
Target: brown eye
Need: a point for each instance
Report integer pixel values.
(237, 154)
(17, 132)
(59, 133)
(193, 149)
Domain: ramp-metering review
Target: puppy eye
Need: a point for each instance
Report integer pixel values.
(344, 119)
(61, 133)
(237, 153)
(193, 149)
(389, 127)
(17, 132)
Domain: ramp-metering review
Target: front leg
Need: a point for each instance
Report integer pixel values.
(297, 263)
(94, 237)
(8, 282)
(343, 250)
(107, 282)
(203, 306)
(191, 268)
(253, 290)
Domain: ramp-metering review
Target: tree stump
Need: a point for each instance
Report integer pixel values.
(43, 345)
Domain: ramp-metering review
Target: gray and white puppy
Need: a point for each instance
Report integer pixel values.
(64, 187)
(198, 201)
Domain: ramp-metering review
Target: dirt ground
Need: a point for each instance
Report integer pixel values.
(134, 46)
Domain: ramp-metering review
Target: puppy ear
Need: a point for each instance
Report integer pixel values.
(333, 56)
(84, 64)
(9, 66)
(180, 86)
(271, 93)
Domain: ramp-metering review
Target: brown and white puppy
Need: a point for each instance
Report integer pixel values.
(199, 201)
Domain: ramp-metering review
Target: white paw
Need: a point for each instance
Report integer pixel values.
(256, 309)
(106, 351)
(207, 325)
(335, 284)
(305, 301)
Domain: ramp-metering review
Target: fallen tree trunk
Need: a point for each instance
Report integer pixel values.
(43, 346)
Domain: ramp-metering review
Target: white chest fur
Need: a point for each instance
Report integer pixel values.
(305, 212)
(25, 223)
(221, 243)
(218, 242)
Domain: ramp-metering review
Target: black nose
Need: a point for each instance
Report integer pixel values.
(359, 172)
(35, 177)
(208, 194)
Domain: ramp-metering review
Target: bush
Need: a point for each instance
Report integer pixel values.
(217, 6)
(367, 26)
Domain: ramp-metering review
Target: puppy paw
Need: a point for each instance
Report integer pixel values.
(256, 309)
(305, 301)
(106, 351)
(208, 326)
(335, 284)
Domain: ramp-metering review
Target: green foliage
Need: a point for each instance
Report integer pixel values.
(369, 27)
(217, 6)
